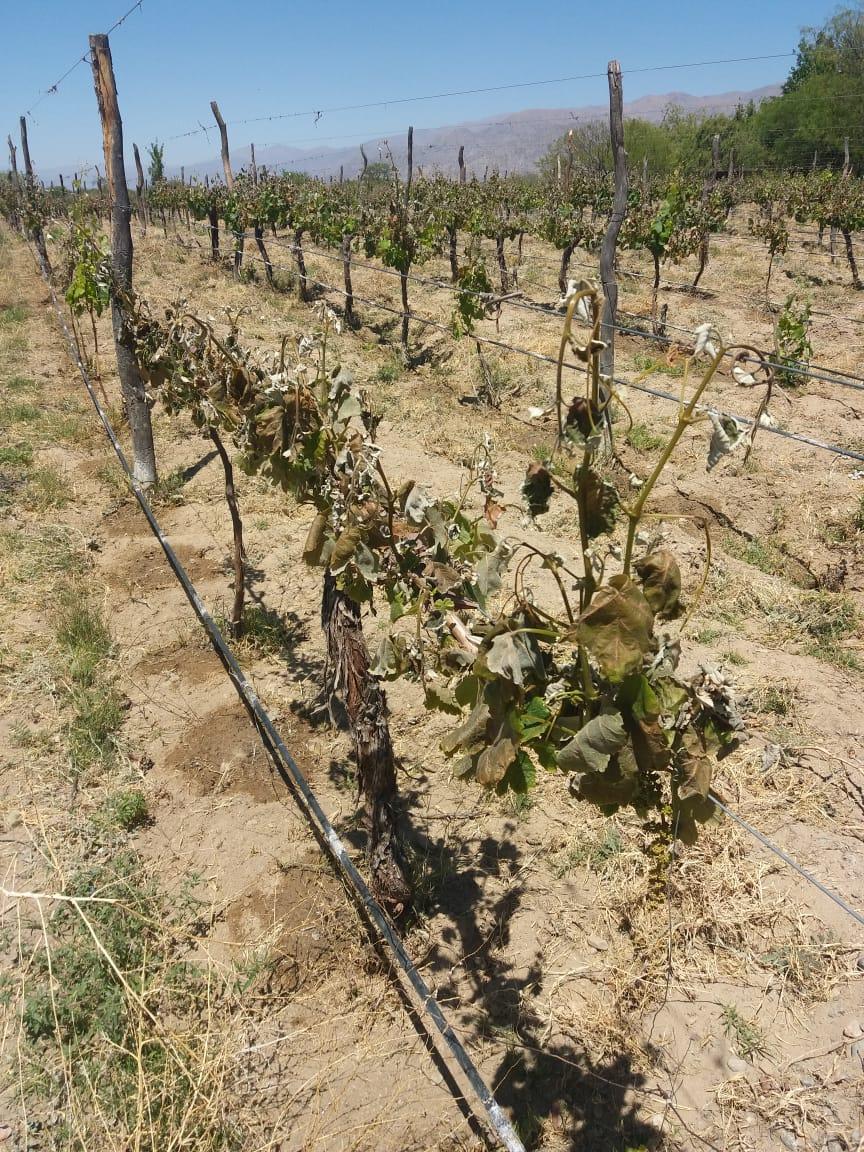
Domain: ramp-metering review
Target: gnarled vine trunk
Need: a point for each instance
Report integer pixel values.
(302, 290)
(454, 257)
(502, 263)
(566, 257)
(259, 240)
(213, 219)
(850, 256)
(349, 679)
(346, 275)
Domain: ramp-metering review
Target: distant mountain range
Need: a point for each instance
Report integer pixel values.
(512, 143)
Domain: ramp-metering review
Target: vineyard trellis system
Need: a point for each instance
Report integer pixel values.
(588, 688)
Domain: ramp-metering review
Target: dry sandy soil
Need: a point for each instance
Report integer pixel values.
(721, 1015)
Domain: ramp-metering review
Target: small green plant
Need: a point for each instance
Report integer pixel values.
(169, 488)
(12, 314)
(642, 439)
(792, 348)
(111, 995)
(20, 413)
(389, 372)
(653, 365)
(126, 810)
(264, 631)
(47, 488)
(21, 384)
(96, 704)
(591, 851)
(748, 1039)
(17, 455)
(89, 280)
(829, 620)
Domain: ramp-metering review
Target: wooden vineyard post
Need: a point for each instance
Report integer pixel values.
(29, 193)
(139, 190)
(16, 183)
(134, 394)
(229, 182)
(403, 275)
(619, 210)
(346, 277)
(253, 167)
(461, 163)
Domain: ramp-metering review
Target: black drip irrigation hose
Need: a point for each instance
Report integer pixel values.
(425, 1004)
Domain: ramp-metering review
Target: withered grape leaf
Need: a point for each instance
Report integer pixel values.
(617, 628)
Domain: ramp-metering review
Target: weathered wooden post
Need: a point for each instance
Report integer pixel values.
(461, 163)
(134, 394)
(16, 183)
(139, 190)
(29, 206)
(229, 182)
(619, 210)
(403, 275)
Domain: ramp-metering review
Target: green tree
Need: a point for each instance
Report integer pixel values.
(156, 168)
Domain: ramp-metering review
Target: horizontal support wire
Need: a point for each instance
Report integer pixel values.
(809, 441)
(823, 375)
(424, 1001)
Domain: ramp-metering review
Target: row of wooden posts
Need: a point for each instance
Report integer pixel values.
(134, 394)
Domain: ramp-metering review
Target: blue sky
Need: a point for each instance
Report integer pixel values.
(172, 58)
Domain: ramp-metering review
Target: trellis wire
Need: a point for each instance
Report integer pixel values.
(809, 441)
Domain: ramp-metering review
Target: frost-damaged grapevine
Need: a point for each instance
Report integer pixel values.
(589, 687)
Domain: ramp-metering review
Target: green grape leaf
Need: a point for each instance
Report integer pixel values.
(592, 747)
(520, 776)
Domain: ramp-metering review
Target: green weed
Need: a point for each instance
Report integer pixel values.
(645, 362)
(11, 314)
(17, 455)
(642, 439)
(96, 704)
(47, 488)
(126, 810)
(747, 1038)
(17, 384)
